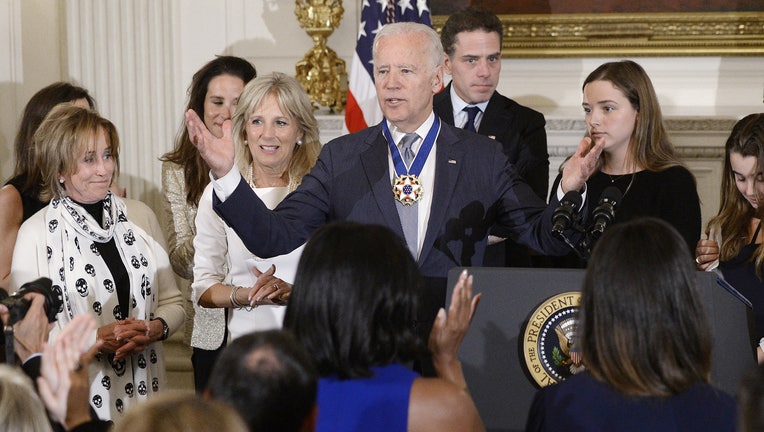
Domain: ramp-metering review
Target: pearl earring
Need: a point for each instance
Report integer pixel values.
(61, 180)
(299, 142)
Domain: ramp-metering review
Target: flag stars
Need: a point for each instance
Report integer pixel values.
(379, 27)
(383, 5)
(405, 4)
(422, 7)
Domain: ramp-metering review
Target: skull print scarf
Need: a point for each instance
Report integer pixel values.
(83, 279)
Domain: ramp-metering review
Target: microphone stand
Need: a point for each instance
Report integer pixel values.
(582, 253)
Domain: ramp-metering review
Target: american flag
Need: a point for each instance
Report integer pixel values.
(362, 108)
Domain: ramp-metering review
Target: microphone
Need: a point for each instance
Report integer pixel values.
(563, 216)
(604, 214)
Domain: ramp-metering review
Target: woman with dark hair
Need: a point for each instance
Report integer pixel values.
(213, 94)
(621, 109)
(645, 341)
(19, 198)
(735, 245)
(353, 307)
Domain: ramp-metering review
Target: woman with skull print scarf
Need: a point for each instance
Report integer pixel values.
(100, 262)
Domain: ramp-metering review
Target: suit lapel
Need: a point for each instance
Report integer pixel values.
(448, 162)
(443, 105)
(494, 118)
(377, 170)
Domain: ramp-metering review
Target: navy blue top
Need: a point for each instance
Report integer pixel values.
(376, 404)
(740, 272)
(582, 403)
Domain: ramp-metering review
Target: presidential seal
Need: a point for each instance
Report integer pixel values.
(407, 189)
(549, 339)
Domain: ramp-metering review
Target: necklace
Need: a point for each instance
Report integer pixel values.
(291, 184)
(615, 178)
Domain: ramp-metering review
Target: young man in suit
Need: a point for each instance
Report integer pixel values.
(472, 43)
(460, 183)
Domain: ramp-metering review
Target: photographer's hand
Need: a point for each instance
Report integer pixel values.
(31, 333)
(60, 361)
(4, 314)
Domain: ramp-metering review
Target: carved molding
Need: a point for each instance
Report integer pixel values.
(685, 152)
(699, 124)
(330, 123)
(638, 34)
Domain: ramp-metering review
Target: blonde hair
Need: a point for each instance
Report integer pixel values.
(21, 410)
(65, 133)
(178, 411)
(294, 103)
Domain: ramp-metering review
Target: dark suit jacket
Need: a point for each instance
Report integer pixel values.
(519, 129)
(475, 188)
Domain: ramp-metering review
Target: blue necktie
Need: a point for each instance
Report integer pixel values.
(472, 112)
(407, 153)
(409, 214)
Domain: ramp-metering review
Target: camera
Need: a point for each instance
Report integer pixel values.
(18, 306)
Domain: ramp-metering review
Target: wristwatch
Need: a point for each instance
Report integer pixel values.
(165, 329)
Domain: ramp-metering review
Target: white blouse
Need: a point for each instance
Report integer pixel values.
(221, 257)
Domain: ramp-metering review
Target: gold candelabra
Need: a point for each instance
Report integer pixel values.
(321, 72)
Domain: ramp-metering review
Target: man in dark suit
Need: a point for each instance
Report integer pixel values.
(463, 186)
(472, 43)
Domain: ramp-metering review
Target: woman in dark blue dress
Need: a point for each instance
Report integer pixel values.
(645, 342)
(353, 307)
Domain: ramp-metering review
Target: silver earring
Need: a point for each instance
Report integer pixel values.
(299, 142)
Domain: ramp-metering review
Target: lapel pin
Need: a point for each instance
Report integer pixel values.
(493, 137)
(452, 161)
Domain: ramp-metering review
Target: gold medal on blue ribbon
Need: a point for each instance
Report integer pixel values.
(407, 188)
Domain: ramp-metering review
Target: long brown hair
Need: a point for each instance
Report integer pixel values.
(644, 328)
(37, 108)
(650, 147)
(735, 212)
(185, 154)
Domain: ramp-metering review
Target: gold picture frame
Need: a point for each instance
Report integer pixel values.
(632, 34)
